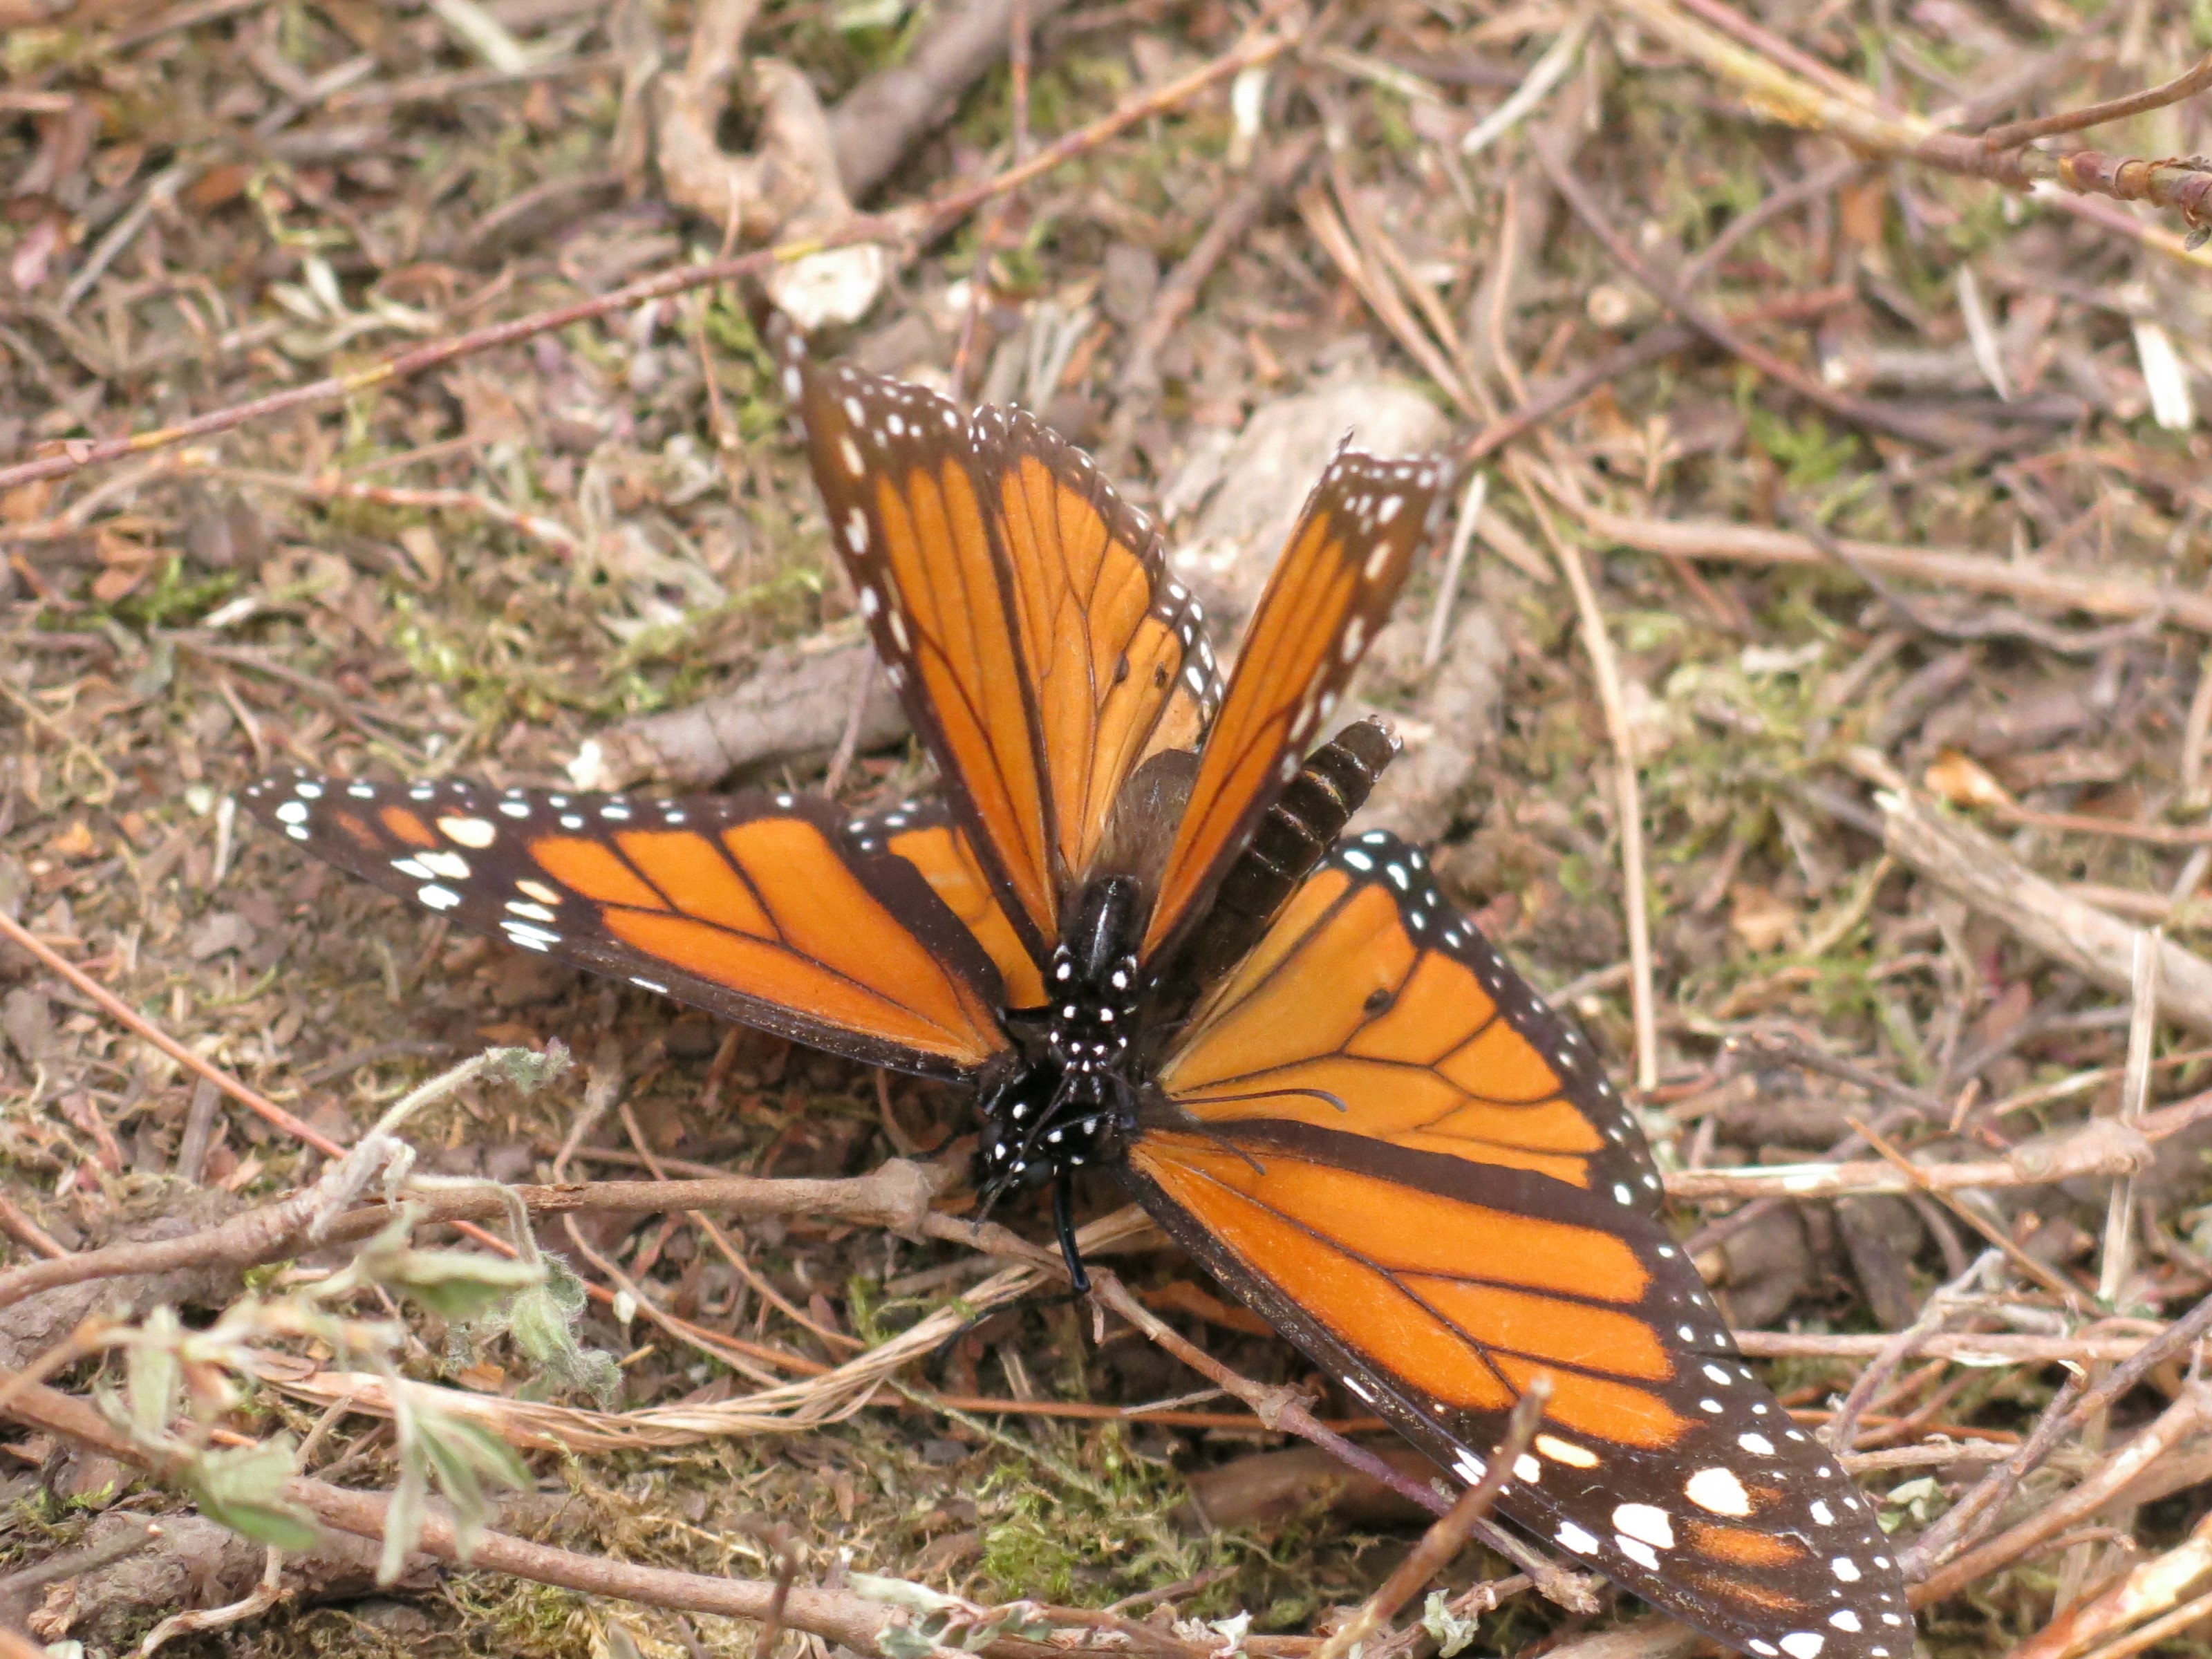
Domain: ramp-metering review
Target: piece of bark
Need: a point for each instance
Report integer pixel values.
(1452, 728)
(1977, 869)
(796, 703)
(1882, 1235)
(1272, 1487)
(199, 1563)
(1766, 1264)
(33, 1325)
(874, 126)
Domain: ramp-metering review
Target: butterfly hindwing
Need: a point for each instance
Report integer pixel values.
(1330, 594)
(1370, 987)
(1025, 613)
(1378, 1137)
(760, 908)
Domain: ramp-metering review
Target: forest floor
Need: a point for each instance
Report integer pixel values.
(1848, 516)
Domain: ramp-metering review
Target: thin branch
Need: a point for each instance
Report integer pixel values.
(837, 1616)
(1281, 1409)
(1936, 430)
(1978, 869)
(2049, 1278)
(2117, 1258)
(1661, 341)
(555, 535)
(1782, 85)
(2186, 85)
(1809, 189)
(1444, 1539)
(2146, 1588)
(2102, 1146)
(1757, 544)
(897, 1195)
(1605, 670)
(1178, 291)
(2074, 1407)
(1842, 1429)
(2186, 1417)
(132, 1020)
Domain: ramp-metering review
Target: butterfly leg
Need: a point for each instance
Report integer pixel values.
(1063, 1221)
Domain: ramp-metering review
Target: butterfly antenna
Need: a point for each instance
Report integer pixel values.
(1063, 1221)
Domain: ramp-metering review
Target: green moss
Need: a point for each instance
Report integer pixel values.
(176, 600)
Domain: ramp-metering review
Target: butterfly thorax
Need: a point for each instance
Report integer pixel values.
(1067, 1107)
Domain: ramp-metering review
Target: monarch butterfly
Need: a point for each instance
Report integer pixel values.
(1131, 925)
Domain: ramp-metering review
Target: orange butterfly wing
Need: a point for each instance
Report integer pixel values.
(923, 834)
(1115, 648)
(1024, 612)
(1378, 1136)
(758, 908)
(1330, 594)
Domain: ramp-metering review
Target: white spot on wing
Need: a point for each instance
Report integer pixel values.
(1647, 1522)
(1636, 1550)
(1565, 1451)
(470, 832)
(1718, 1491)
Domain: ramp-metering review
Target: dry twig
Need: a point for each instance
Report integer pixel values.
(1964, 861)
(1782, 85)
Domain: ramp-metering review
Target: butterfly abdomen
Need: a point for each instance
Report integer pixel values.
(1300, 826)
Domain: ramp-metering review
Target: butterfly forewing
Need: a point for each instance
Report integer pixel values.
(1330, 594)
(1113, 646)
(1025, 613)
(760, 908)
(922, 833)
(1380, 1139)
